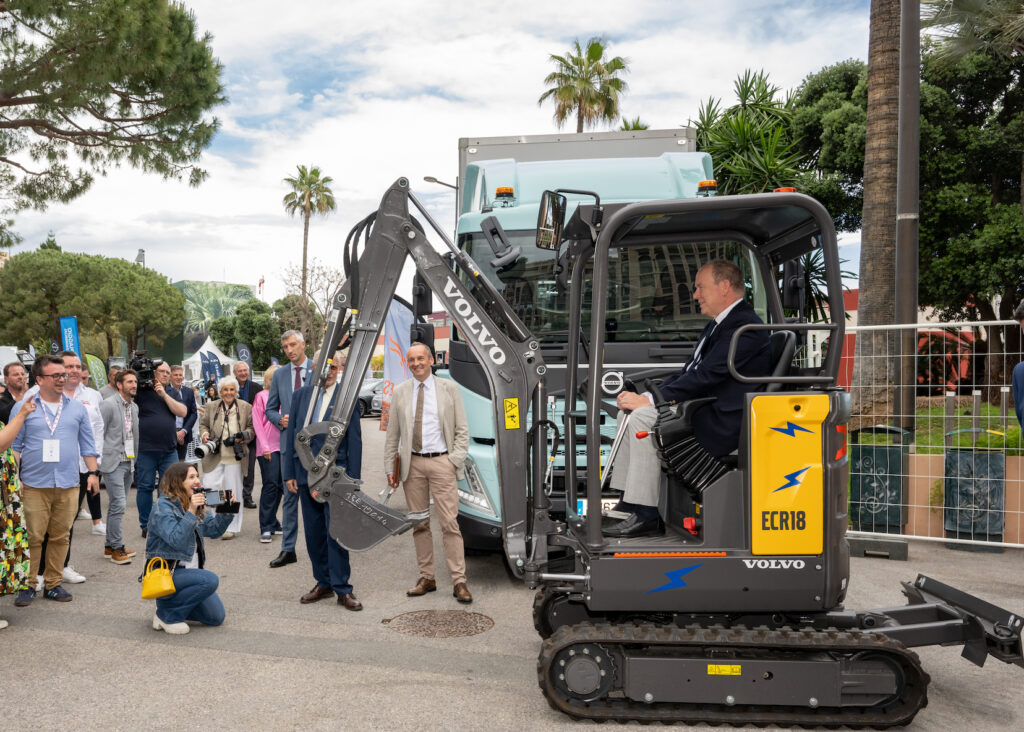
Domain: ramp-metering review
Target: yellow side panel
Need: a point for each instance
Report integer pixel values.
(786, 481)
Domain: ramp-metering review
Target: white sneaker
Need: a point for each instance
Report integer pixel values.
(39, 583)
(84, 513)
(99, 529)
(3, 623)
(71, 576)
(265, 537)
(172, 628)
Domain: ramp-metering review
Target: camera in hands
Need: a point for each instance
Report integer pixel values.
(210, 447)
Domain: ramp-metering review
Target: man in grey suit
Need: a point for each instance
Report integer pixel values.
(427, 428)
(120, 446)
(287, 380)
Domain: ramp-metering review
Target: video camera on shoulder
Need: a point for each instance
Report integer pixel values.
(144, 368)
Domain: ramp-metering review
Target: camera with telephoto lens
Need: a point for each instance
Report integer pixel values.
(210, 447)
(144, 368)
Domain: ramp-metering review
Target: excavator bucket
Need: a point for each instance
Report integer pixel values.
(357, 522)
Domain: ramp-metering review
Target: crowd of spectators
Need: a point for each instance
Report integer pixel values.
(59, 438)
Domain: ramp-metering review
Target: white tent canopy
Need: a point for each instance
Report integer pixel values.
(194, 366)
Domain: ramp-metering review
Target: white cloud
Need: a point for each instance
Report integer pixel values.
(372, 91)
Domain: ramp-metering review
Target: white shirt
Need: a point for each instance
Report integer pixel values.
(325, 403)
(433, 438)
(718, 320)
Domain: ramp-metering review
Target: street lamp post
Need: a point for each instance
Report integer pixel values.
(432, 179)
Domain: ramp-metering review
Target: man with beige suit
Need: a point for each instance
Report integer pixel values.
(427, 428)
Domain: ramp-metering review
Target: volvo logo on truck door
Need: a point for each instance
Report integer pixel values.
(472, 322)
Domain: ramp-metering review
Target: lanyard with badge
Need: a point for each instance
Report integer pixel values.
(51, 447)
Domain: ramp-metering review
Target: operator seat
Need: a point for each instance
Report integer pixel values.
(782, 344)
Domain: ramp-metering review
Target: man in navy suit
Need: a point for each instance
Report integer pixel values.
(287, 380)
(331, 567)
(719, 292)
(186, 396)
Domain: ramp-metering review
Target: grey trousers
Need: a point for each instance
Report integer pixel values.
(117, 482)
(636, 470)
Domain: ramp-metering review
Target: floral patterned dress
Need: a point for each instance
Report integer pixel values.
(13, 534)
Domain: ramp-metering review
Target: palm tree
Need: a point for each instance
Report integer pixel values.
(311, 194)
(966, 26)
(873, 375)
(629, 125)
(586, 83)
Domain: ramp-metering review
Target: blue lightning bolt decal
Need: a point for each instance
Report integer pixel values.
(793, 479)
(675, 579)
(791, 429)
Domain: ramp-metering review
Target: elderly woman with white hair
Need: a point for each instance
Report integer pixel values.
(229, 420)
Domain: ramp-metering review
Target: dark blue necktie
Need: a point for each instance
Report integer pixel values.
(701, 343)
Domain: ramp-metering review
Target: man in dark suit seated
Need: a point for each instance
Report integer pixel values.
(331, 567)
(637, 471)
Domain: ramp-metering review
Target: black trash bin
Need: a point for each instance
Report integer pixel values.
(975, 493)
(878, 474)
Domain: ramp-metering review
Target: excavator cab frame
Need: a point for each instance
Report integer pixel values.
(724, 624)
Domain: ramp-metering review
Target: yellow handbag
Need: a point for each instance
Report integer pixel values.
(158, 581)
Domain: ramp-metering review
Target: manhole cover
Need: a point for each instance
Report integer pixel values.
(440, 623)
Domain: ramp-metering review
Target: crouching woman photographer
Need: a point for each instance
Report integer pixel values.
(177, 525)
(228, 423)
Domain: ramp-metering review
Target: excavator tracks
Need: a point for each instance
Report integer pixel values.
(591, 671)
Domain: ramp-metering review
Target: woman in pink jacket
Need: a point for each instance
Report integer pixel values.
(268, 453)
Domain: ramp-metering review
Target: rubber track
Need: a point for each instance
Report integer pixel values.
(913, 697)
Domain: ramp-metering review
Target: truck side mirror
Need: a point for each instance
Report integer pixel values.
(550, 220)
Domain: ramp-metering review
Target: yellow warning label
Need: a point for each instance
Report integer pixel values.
(511, 414)
(715, 669)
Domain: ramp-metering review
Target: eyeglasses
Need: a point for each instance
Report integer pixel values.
(56, 377)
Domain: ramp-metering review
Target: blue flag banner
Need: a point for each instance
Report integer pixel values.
(32, 351)
(69, 334)
(274, 361)
(396, 343)
(244, 354)
(214, 365)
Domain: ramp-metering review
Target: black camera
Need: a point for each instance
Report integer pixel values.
(238, 443)
(210, 447)
(144, 368)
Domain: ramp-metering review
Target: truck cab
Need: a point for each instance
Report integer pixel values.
(652, 321)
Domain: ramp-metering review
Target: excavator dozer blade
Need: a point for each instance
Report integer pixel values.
(358, 522)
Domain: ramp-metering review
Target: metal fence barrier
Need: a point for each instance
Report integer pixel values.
(952, 470)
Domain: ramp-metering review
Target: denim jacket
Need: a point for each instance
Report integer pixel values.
(172, 530)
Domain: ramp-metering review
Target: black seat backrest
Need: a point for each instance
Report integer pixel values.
(783, 345)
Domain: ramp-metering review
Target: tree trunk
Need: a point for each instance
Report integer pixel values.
(874, 365)
(305, 249)
(579, 118)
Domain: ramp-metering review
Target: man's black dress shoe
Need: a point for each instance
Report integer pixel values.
(282, 559)
(635, 526)
(249, 503)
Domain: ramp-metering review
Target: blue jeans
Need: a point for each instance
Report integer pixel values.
(149, 468)
(270, 493)
(195, 598)
(331, 568)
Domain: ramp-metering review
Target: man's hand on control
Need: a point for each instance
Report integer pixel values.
(632, 401)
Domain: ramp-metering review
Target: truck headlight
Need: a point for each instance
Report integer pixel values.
(473, 494)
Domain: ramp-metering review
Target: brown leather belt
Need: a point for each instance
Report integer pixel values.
(430, 454)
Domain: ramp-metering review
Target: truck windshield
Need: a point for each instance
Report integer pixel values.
(650, 289)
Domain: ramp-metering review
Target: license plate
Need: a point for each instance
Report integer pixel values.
(607, 504)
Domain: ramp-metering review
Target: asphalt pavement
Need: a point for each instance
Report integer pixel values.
(95, 663)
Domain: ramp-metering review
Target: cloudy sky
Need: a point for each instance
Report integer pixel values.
(373, 91)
